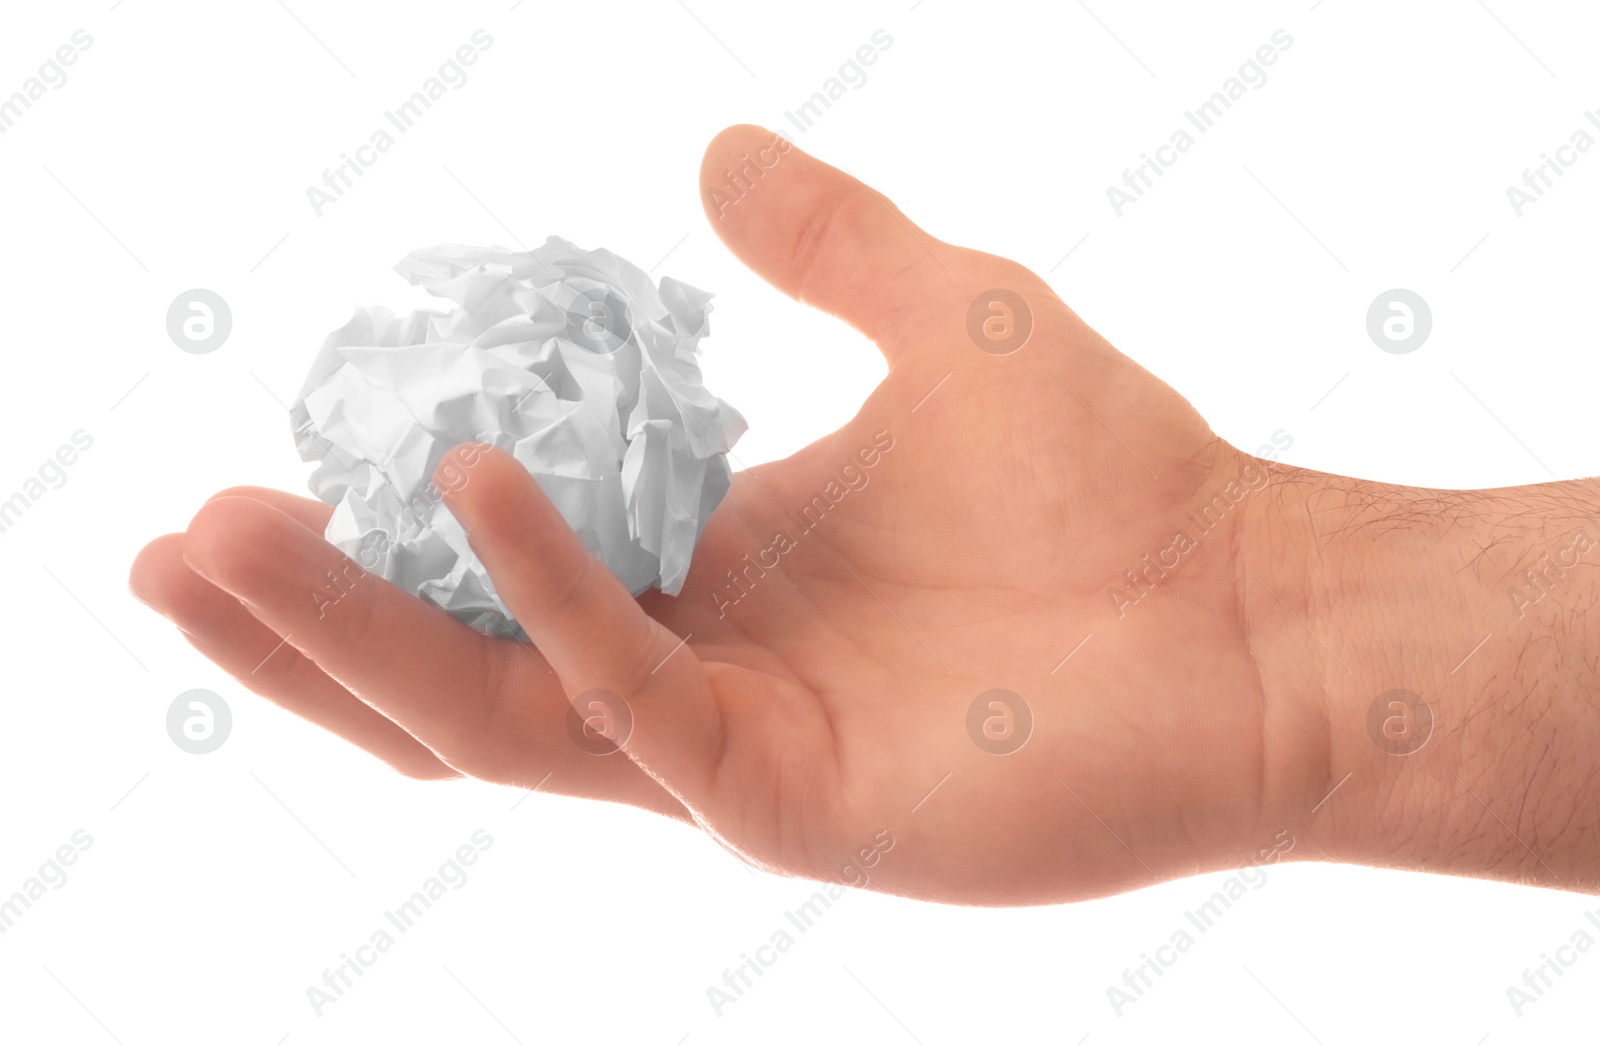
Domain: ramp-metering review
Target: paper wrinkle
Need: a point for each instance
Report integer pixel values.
(572, 361)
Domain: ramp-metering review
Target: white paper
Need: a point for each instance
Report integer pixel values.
(574, 362)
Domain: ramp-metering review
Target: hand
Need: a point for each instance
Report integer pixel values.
(987, 521)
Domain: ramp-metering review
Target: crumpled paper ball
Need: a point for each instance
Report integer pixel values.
(574, 362)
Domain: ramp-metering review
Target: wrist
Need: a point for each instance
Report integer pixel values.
(1429, 674)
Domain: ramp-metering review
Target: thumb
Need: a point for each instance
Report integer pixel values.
(824, 238)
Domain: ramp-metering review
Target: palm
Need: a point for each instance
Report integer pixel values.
(808, 690)
(929, 583)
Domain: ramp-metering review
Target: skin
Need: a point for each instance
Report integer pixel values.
(817, 723)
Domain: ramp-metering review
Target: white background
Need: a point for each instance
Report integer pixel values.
(220, 887)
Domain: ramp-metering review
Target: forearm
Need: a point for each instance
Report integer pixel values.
(1482, 604)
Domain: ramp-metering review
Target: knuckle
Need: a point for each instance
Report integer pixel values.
(814, 238)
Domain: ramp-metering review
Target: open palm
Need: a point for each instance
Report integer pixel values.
(911, 656)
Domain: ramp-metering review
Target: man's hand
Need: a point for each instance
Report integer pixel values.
(1017, 508)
